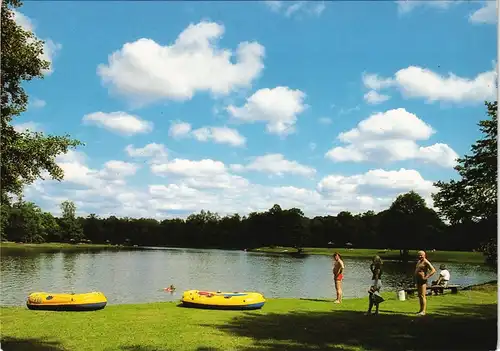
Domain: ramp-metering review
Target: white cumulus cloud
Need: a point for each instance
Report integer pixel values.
(391, 136)
(374, 98)
(146, 71)
(376, 185)
(275, 164)
(153, 151)
(486, 14)
(294, 8)
(220, 135)
(179, 129)
(191, 186)
(375, 82)
(406, 6)
(116, 168)
(102, 191)
(118, 122)
(277, 107)
(200, 174)
(418, 82)
(77, 172)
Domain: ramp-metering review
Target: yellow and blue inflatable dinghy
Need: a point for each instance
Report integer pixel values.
(223, 300)
(66, 302)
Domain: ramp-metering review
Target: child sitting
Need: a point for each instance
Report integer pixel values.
(442, 282)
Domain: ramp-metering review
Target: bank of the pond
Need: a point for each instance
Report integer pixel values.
(292, 324)
(27, 246)
(441, 256)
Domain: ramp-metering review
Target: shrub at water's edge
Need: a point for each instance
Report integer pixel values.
(293, 324)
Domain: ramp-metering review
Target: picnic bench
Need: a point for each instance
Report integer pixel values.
(452, 287)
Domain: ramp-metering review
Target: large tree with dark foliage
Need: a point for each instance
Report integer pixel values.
(471, 201)
(27, 223)
(70, 226)
(25, 156)
(409, 224)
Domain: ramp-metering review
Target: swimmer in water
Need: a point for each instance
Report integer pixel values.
(171, 288)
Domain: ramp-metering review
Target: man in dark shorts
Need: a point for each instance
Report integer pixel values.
(423, 271)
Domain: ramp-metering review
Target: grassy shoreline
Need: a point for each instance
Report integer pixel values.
(292, 324)
(28, 246)
(388, 255)
(441, 256)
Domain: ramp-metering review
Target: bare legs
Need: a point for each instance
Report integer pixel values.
(338, 288)
(421, 288)
(371, 303)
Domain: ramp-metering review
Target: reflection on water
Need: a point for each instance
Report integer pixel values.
(69, 267)
(140, 275)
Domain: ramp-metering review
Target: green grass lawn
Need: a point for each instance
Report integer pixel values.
(466, 321)
(441, 256)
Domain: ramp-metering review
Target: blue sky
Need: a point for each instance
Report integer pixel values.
(235, 106)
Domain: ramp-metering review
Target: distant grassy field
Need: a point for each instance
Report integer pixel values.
(441, 256)
(282, 324)
(58, 246)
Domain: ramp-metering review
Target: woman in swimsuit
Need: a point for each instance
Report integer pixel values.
(338, 270)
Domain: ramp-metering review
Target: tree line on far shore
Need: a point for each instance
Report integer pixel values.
(407, 224)
(468, 204)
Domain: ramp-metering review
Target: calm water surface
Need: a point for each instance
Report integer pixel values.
(140, 275)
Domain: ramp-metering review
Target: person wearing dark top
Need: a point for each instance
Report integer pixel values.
(374, 297)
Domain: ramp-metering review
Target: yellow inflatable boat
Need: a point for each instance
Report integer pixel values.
(66, 302)
(223, 300)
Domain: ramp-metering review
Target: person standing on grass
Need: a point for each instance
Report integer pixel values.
(374, 298)
(338, 275)
(423, 271)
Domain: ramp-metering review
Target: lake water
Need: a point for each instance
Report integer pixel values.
(139, 276)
